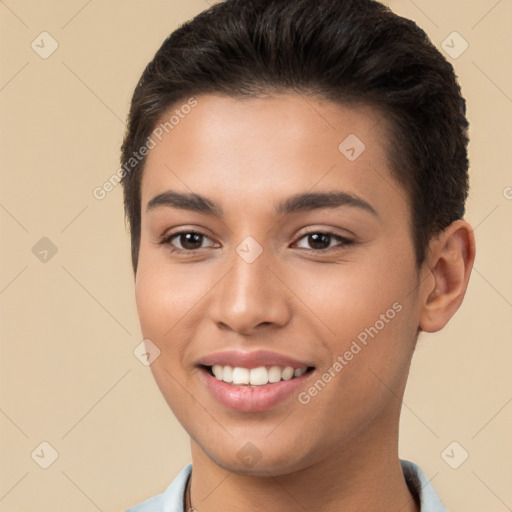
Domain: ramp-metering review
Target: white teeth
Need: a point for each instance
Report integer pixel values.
(274, 374)
(258, 376)
(240, 375)
(255, 376)
(227, 374)
(217, 371)
(288, 373)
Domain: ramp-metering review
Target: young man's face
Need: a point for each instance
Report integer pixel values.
(253, 283)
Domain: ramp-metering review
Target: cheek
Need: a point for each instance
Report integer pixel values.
(163, 294)
(351, 298)
(372, 318)
(170, 302)
(370, 356)
(153, 300)
(163, 300)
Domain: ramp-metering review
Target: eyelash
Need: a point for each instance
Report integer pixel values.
(166, 240)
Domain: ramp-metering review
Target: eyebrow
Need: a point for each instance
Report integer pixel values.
(297, 203)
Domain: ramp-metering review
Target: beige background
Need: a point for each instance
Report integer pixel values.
(69, 325)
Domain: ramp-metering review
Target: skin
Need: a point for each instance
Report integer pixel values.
(296, 298)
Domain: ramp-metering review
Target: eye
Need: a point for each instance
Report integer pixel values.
(188, 241)
(320, 240)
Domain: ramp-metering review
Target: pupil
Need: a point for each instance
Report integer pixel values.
(190, 240)
(317, 239)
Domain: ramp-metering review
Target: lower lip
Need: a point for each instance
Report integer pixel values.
(252, 398)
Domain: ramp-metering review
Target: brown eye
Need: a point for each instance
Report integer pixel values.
(185, 241)
(190, 241)
(318, 240)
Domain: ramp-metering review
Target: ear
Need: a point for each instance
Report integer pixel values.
(445, 275)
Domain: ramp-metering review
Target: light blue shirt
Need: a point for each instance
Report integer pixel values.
(171, 500)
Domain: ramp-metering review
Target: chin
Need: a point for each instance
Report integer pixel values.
(265, 461)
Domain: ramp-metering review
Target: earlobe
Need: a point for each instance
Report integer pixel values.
(448, 268)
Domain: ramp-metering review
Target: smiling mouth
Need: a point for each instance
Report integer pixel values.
(255, 377)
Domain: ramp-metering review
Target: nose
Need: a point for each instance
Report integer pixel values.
(250, 296)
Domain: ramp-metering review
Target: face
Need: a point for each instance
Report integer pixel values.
(237, 270)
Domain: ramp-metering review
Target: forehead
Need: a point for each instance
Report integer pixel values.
(245, 150)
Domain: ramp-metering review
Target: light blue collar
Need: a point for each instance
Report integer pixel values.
(171, 500)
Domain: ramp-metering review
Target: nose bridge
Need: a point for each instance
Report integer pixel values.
(250, 294)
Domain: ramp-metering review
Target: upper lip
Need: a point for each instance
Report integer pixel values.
(251, 359)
